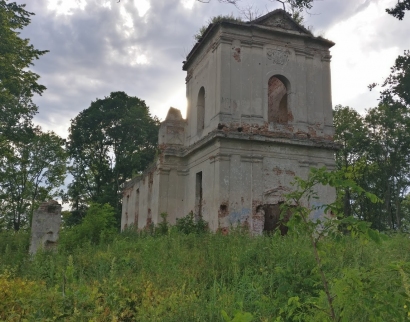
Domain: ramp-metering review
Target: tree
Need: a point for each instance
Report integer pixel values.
(375, 154)
(109, 142)
(31, 170)
(397, 84)
(389, 134)
(15, 120)
(16, 55)
(399, 10)
(17, 83)
(351, 133)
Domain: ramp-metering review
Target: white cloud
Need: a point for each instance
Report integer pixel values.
(126, 25)
(142, 6)
(65, 7)
(188, 4)
(141, 59)
(357, 61)
(107, 4)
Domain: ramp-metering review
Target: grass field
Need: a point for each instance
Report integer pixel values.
(204, 277)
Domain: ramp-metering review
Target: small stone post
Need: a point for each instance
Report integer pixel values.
(45, 226)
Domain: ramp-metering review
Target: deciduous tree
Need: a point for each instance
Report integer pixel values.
(31, 171)
(16, 55)
(399, 10)
(109, 142)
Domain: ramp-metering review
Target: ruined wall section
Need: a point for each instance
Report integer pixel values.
(259, 114)
(140, 199)
(203, 72)
(235, 63)
(253, 56)
(257, 174)
(200, 165)
(171, 186)
(45, 227)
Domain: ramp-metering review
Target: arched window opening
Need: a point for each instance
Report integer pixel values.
(200, 108)
(277, 101)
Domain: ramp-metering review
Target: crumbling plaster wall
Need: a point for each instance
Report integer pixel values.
(247, 161)
(45, 227)
(206, 74)
(238, 176)
(256, 174)
(141, 200)
(235, 66)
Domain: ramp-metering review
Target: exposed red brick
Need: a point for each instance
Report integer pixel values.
(237, 54)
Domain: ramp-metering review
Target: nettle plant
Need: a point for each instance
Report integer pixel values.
(300, 203)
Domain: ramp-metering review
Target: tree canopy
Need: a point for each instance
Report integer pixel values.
(16, 55)
(31, 171)
(376, 151)
(32, 163)
(399, 10)
(109, 142)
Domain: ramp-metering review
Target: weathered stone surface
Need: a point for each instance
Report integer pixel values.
(259, 114)
(45, 226)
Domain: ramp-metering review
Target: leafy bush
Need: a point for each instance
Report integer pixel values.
(97, 225)
(215, 20)
(162, 227)
(188, 224)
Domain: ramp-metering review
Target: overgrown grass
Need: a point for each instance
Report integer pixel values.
(194, 277)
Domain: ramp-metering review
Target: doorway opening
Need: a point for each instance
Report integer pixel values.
(272, 219)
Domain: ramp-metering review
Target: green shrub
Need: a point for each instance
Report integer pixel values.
(97, 225)
(188, 224)
(215, 20)
(163, 227)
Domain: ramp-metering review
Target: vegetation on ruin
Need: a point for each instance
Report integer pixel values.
(215, 20)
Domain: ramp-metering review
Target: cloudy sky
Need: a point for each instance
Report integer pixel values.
(137, 46)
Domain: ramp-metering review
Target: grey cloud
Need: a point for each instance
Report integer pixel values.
(89, 55)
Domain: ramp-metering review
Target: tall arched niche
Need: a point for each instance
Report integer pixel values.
(278, 91)
(200, 109)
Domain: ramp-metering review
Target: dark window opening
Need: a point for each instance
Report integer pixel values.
(272, 218)
(198, 195)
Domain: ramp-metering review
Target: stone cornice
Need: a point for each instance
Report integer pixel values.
(272, 137)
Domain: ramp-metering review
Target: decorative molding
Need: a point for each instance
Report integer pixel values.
(164, 170)
(220, 157)
(309, 54)
(326, 57)
(189, 75)
(215, 45)
(276, 192)
(252, 158)
(278, 56)
(183, 173)
(307, 164)
(300, 51)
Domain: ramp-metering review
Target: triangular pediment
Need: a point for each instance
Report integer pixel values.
(280, 19)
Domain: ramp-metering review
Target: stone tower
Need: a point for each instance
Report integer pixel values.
(259, 114)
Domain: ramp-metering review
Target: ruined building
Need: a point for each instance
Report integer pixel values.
(259, 114)
(45, 227)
